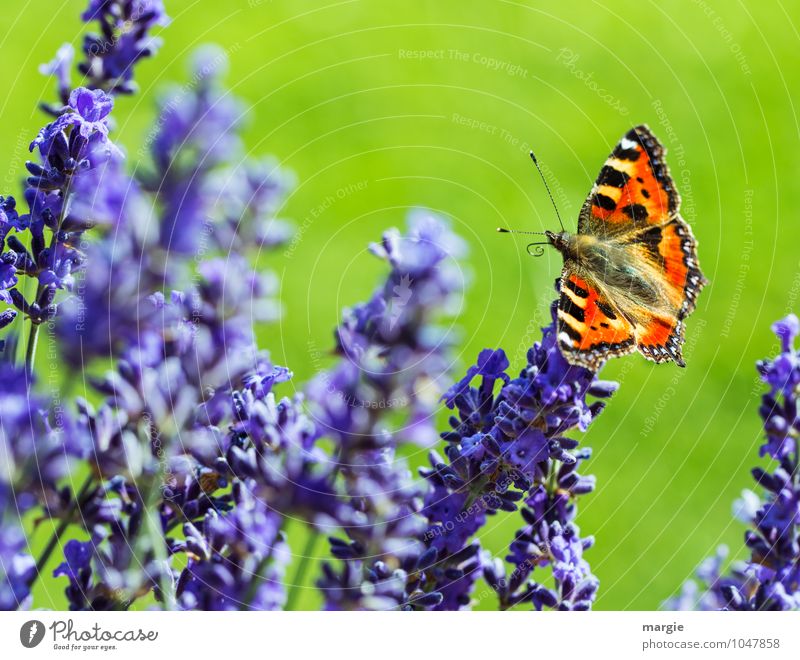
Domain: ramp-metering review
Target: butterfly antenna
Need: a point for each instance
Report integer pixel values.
(547, 188)
(503, 230)
(538, 250)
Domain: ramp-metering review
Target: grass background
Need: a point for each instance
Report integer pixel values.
(381, 107)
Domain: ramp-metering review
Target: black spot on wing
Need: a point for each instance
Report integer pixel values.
(603, 307)
(655, 155)
(635, 212)
(577, 290)
(566, 305)
(627, 154)
(571, 332)
(645, 193)
(604, 202)
(610, 176)
(651, 239)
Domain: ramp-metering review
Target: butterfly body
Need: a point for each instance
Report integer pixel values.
(592, 255)
(630, 274)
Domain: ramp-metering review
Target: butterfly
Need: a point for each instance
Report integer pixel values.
(631, 275)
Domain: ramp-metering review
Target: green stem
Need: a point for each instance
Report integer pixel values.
(155, 538)
(33, 335)
(258, 576)
(298, 580)
(30, 349)
(62, 526)
(552, 484)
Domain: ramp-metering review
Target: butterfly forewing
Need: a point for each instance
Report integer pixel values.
(634, 189)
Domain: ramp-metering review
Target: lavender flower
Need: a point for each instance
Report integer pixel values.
(38, 450)
(250, 195)
(41, 446)
(270, 447)
(85, 567)
(19, 422)
(156, 447)
(71, 147)
(35, 457)
(184, 429)
(77, 568)
(550, 538)
(17, 567)
(770, 578)
(124, 40)
(9, 219)
(393, 357)
(381, 551)
(195, 135)
(506, 445)
(236, 561)
(204, 208)
(109, 57)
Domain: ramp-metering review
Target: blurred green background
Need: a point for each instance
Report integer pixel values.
(379, 107)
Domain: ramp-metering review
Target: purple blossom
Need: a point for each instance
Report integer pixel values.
(391, 351)
(271, 449)
(550, 538)
(189, 419)
(37, 450)
(505, 445)
(8, 277)
(77, 569)
(227, 297)
(770, 579)
(156, 435)
(181, 382)
(116, 566)
(124, 40)
(75, 140)
(61, 67)
(17, 567)
(9, 218)
(381, 548)
(70, 147)
(195, 135)
(236, 560)
(35, 457)
(250, 195)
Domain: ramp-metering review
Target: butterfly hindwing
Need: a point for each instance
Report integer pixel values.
(590, 328)
(659, 338)
(634, 188)
(670, 252)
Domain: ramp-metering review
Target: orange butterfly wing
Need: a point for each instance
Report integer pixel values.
(590, 328)
(633, 205)
(671, 251)
(634, 189)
